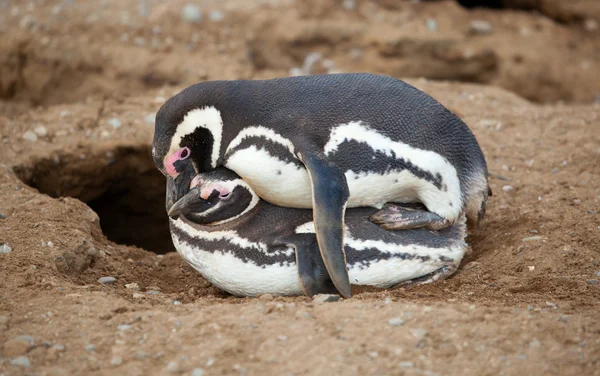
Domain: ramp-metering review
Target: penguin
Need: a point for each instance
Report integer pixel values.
(248, 247)
(328, 142)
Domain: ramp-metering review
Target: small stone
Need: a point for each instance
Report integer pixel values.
(197, 372)
(507, 188)
(563, 318)
(396, 321)
(266, 297)
(4, 248)
(406, 364)
(577, 202)
(58, 347)
(30, 136)
(21, 361)
(216, 16)
(50, 244)
(150, 118)
(349, 4)
(590, 24)
(431, 24)
(593, 212)
(471, 265)
(117, 361)
(141, 355)
(90, 348)
(326, 298)
(3, 216)
(191, 13)
(41, 131)
(107, 280)
(593, 281)
(172, 367)
(152, 292)
(124, 327)
(132, 286)
(17, 346)
(419, 334)
(176, 302)
(532, 238)
(481, 27)
(114, 122)
(552, 305)
(138, 296)
(531, 268)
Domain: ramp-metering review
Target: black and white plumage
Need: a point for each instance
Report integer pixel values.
(249, 247)
(327, 142)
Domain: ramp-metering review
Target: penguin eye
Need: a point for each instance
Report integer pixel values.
(225, 195)
(184, 153)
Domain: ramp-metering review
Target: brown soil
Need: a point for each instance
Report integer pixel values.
(524, 302)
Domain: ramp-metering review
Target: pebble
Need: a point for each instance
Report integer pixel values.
(19, 345)
(176, 302)
(41, 131)
(4, 248)
(593, 212)
(116, 361)
(191, 13)
(3, 216)
(132, 286)
(107, 280)
(172, 367)
(593, 281)
(21, 361)
(406, 364)
(326, 298)
(563, 318)
(349, 4)
(90, 348)
(396, 321)
(266, 297)
(531, 268)
(124, 327)
(153, 292)
(481, 27)
(197, 372)
(138, 296)
(114, 122)
(216, 16)
(532, 238)
(419, 334)
(471, 265)
(30, 136)
(507, 188)
(58, 347)
(431, 24)
(149, 119)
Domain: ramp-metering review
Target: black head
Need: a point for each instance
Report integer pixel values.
(215, 197)
(188, 132)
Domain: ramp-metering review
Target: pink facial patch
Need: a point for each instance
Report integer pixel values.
(171, 159)
(206, 191)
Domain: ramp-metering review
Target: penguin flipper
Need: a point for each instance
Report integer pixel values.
(313, 276)
(330, 196)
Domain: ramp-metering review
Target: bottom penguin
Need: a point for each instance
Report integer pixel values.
(248, 247)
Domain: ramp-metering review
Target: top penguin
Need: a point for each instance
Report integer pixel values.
(327, 142)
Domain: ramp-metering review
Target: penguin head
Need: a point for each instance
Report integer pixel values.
(215, 197)
(187, 134)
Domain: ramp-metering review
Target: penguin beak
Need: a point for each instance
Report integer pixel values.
(190, 203)
(179, 187)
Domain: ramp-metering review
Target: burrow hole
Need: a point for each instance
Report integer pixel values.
(120, 184)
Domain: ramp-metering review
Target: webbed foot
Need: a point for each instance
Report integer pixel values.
(395, 217)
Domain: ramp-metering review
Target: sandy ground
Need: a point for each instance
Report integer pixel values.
(80, 198)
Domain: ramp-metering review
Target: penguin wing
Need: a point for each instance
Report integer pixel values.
(313, 276)
(330, 195)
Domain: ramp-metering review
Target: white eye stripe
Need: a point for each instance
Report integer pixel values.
(208, 118)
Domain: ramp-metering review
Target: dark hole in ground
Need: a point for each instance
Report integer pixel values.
(120, 184)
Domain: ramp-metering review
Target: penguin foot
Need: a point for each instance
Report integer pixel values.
(440, 274)
(394, 217)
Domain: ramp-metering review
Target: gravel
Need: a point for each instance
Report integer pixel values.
(216, 16)
(90, 348)
(593, 281)
(396, 321)
(114, 122)
(326, 298)
(4, 248)
(124, 327)
(481, 27)
(21, 361)
(532, 238)
(30, 136)
(508, 188)
(197, 372)
(116, 361)
(266, 297)
(107, 280)
(191, 13)
(41, 131)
